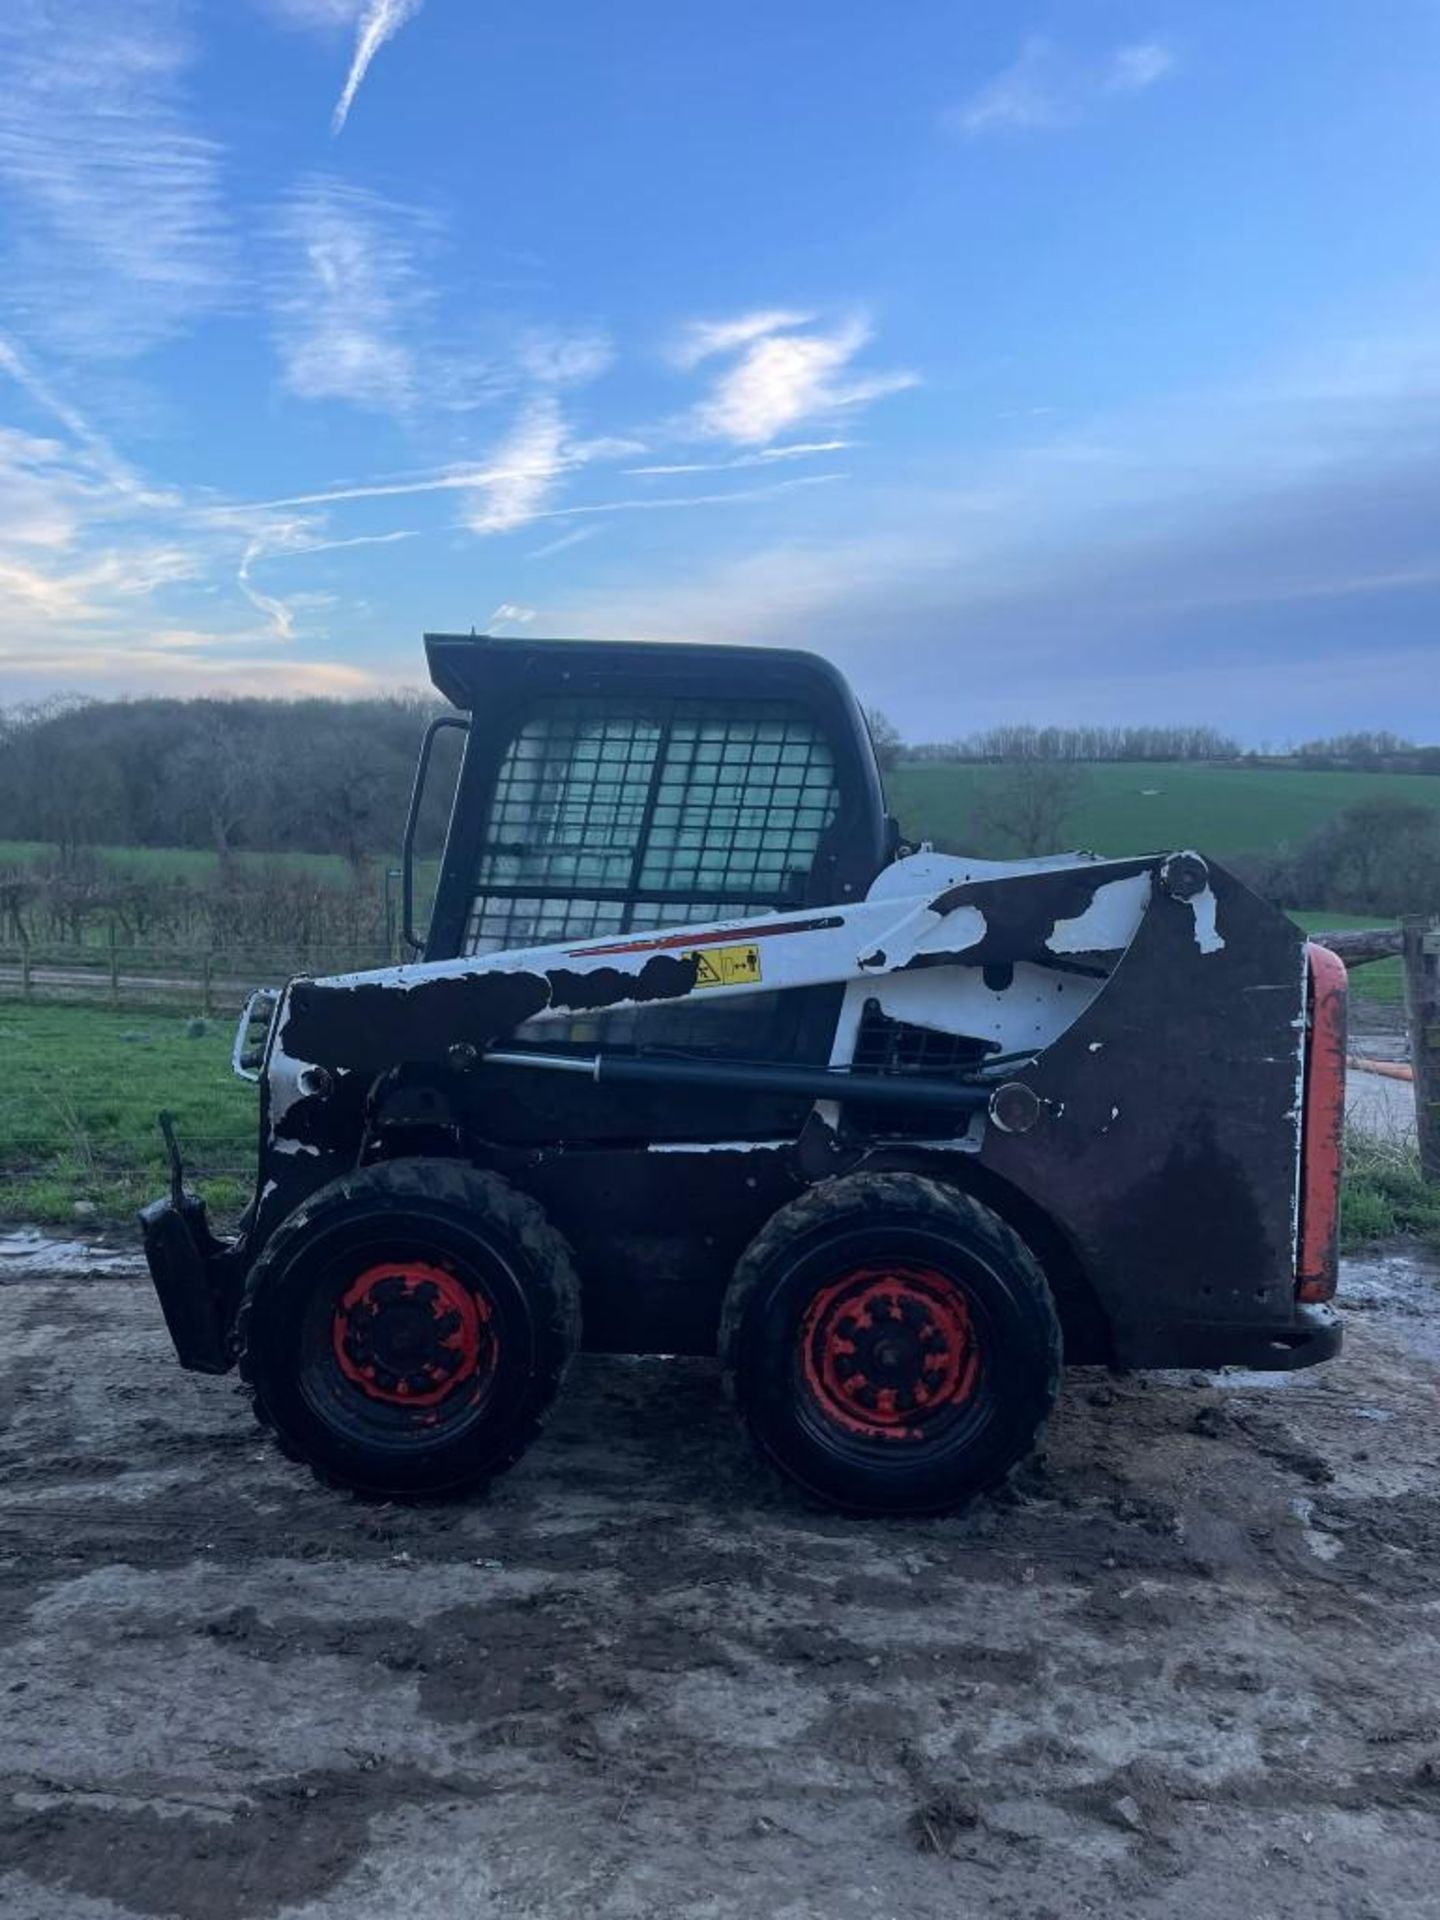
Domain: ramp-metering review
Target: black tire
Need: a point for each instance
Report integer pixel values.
(406, 1329)
(938, 1298)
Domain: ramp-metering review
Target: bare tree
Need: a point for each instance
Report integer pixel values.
(884, 737)
(1028, 809)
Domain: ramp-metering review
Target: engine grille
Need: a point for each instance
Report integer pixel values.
(894, 1048)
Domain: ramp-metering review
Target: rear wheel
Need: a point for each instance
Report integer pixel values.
(405, 1330)
(892, 1344)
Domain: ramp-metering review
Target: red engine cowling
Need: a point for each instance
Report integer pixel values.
(1322, 1138)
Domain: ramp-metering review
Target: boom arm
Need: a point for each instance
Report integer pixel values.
(1048, 914)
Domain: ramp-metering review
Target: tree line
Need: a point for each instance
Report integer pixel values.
(1082, 744)
(272, 776)
(1380, 857)
(1374, 752)
(1377, 752)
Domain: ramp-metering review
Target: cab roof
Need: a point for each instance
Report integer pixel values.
(473, 670)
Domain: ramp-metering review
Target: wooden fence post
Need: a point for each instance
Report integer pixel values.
(114, 968)
(1422, 1005)
(24, 973)
(206, 996)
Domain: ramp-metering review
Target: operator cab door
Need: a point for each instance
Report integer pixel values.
(613, 810)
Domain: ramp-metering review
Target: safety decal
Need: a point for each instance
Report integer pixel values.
(727, 966)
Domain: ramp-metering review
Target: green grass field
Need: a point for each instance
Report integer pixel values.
(78, 1100)
(1142, 807)
(1380, 981)
(79, 1144)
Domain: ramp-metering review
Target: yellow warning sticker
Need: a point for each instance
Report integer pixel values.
(726, 966)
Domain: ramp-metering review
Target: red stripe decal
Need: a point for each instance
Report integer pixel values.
(1323, 1132)
(726, 937)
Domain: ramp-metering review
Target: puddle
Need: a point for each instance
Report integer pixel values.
(1406, 1287)
(29, 1254)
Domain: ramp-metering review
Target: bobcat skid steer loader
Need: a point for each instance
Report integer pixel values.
(695, 1058)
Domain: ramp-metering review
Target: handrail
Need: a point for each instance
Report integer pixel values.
(412, 821)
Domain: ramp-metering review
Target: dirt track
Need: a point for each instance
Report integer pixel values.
(1191, 1667)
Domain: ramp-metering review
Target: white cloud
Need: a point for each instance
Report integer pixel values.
(566, 540)
(783, 376)
(566, 359)
(509, 614)
(380, 21)
(104, 465)
(190, 660)
(1140, 65)
(89, 548)
(373, 22)
(1026, 94)
(653, 503)
(458, 479)
(347, 295)
(314, 13)
(42, 496)
(704, 338)
(119, 238)
(292, 539)
(82, 591)
(767, 456)
(522, 472)
(1046, 87)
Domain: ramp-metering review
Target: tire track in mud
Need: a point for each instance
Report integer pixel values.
(1178, 1668)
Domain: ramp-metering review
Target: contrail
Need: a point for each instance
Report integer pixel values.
(381, 21)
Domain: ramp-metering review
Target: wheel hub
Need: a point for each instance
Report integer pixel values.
(887, 1351)
(408, 1334)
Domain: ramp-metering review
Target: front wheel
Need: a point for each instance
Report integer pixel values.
(406, 1329)
(892, 1344)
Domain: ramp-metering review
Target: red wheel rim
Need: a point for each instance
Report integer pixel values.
(408, 1334)
(886, 1351)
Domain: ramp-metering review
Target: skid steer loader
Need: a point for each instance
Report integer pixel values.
(695, 1057)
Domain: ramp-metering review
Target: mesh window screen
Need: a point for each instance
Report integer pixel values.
(613, 817)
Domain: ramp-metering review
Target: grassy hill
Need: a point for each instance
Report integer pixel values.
(1142, 806)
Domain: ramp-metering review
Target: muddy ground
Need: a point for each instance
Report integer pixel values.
(1191, 1667)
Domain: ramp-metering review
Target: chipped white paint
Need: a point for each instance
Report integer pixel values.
(865, 947)
(823, 955)
(283, 1076)
(1208, 936)
(1300, 1025)
(719, 1146)
(1110, 920)
(1030, 1014)
(929, 872)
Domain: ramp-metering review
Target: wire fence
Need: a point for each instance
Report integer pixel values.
(210, 980)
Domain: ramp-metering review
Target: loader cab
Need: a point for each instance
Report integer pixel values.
(615, 788)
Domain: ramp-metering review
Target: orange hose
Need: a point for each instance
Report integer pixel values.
(1391, 1069)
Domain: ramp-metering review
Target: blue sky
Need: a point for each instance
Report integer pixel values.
(1069, 362)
